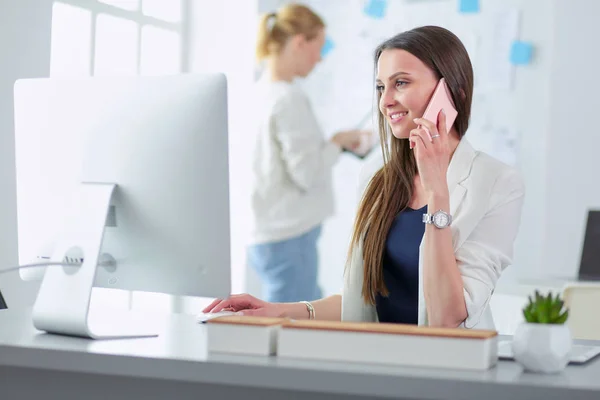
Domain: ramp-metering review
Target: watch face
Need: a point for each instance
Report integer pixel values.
(440, 219)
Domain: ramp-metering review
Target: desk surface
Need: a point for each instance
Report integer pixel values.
(179, 354)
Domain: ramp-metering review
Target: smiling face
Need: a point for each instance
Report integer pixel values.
(404, 86)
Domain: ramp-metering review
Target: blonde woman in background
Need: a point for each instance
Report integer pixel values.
(292, 161)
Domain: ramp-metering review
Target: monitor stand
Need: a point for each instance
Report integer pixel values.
(63, 302)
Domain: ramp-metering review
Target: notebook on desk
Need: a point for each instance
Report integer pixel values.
(386, 343)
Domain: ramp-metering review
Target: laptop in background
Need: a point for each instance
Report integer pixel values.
(580, 354)
(2, 302)
(589, 268)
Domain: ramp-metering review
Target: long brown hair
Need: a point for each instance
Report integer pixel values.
(276, 28)
(391, 188)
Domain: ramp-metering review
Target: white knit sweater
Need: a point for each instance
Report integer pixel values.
(292, 165)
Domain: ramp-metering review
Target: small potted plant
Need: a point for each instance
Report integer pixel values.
(543, 342)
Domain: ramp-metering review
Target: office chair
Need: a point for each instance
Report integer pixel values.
(582, 300)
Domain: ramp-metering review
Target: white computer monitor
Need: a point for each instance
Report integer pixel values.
(133, 169)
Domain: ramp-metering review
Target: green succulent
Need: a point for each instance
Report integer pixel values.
(545, 310)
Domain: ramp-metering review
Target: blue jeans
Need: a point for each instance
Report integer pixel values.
(288, 269)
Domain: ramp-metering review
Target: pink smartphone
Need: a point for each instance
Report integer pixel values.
(441, 99)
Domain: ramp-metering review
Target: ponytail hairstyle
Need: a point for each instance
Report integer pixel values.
(276, 28)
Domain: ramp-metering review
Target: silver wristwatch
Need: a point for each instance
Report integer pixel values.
(440, 219)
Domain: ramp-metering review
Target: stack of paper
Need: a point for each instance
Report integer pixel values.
(243, 335)
(381, 343)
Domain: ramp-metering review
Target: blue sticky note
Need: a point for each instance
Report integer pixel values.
(521, 52)
(327, 47)
(468, 6)
(376, 8)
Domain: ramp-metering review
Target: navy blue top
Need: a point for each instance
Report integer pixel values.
(401, 269)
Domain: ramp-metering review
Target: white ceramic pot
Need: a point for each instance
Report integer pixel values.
(542, 347)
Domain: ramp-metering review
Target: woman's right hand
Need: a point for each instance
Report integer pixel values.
(352, 139)
(246, 304)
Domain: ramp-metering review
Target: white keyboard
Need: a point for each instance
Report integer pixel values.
(580, 354)
(203, 317)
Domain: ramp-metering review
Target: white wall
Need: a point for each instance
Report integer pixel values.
(555, 108)
(530, 113)
(573, 180)
(25, 53)
(222, 40)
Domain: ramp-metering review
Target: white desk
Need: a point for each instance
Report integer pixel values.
(176, 366)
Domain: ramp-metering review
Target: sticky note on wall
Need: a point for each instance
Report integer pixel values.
(468, 6)
(327, 47)
(376, 8)
(521, 53)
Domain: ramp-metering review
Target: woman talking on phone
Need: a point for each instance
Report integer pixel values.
(437, 222)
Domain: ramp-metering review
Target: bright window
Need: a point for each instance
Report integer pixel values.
(118, 37)
(116, 46)
(160, 51)
(71, 41)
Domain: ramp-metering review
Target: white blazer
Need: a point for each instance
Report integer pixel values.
(486, 198)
